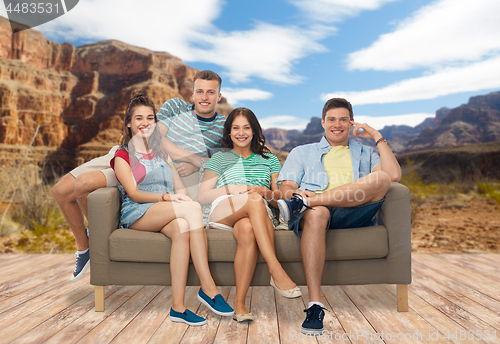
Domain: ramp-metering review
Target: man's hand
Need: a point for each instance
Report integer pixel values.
(305, 193)
(368, 132)
(186, 169)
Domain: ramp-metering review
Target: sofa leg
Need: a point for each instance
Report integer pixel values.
(402, 291)
(99, 298)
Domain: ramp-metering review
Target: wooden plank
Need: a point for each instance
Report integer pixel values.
(290, 314)
(23, 310)
(469, 262)
(21, 284)
(469, 305)
(377, 305)
(30, 267)
(147, 322)
(469, 292)
(116, 321)
(348, 315)
(30, 321)
(7, 259)
(440, 321)
(231, 331)
(88, 321)
(31, 288)
(264, 329)
(333, 329)
(54, 324)
(469, 278)
(175, 331)
(454, 312)
(206, 333)
(485, 262)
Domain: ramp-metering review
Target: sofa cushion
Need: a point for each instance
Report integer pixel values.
(342, 244)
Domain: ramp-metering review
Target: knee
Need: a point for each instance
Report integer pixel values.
(63, 190)
(256, 202)
(316, 219)
(245, 235)
(182, 230)
(383, 181)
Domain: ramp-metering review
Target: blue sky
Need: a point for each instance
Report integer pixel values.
(397, 61)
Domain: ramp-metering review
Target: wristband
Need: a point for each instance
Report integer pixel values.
(163, 196)
(380, 140)
(272, 199)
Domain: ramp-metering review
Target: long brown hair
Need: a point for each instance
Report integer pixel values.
(258, 144)
(154, 141)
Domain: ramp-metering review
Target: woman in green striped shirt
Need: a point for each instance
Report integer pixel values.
(239, 183)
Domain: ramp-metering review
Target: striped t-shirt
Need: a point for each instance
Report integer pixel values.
(187, 130)
(233, 169)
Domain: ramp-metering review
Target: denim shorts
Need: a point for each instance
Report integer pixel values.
(340, 218)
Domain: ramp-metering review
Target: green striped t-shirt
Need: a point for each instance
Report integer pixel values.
(233, 169)
(190, 132)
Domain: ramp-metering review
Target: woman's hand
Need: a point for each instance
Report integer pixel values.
(259, 190)
(237, 189)
(178, 198)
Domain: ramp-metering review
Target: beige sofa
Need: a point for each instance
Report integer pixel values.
(369, 255)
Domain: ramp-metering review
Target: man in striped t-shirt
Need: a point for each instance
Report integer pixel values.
(193, 131)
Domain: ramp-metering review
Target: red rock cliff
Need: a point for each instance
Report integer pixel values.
(78, 95)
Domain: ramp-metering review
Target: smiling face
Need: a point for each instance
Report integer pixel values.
(241, 132)
(206, 96)
(336, 124)
(142, 121)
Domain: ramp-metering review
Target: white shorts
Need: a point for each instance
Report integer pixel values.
(217, 225)
(99, 164)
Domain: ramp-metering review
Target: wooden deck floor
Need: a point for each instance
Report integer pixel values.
(453, 298)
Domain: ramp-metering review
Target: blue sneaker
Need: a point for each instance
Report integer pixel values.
(82, 265)
(187, 317)
(313, 324)
(217, 305)
(291, 208)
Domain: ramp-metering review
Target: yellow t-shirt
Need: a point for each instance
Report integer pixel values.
(338, 166)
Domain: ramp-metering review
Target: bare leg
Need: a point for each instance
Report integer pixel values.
(163, 212)
(253, 207)
(85, 184)
(312, 248)
(370, 188)
(65, 196)
(245, 261)
(178, 231)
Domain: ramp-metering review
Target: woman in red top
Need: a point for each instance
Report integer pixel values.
(154, 199)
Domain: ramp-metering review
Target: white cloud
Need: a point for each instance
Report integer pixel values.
(474, 77)
(446, 31)
(153, 24)
(236, 95)
(185, 29)
(378, 123)
(337, 10)
(267, 51)
(283, 122)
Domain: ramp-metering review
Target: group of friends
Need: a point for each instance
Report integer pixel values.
(333, 184)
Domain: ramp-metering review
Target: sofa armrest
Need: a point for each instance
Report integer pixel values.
(395, 216)
(104, 217)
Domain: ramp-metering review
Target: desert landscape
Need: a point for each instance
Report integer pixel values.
(60, 106)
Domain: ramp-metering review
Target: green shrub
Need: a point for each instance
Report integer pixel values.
(490, 191)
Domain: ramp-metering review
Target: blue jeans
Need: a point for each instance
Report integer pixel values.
(340, 218)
